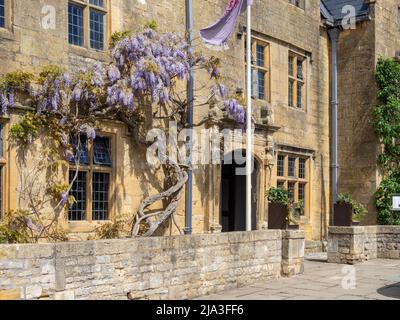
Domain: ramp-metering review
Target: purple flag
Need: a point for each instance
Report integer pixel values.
(219, 33)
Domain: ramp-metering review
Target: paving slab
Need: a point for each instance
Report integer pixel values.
(373, 280)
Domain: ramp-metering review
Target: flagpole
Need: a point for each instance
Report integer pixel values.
(249, 145)
(190, 95)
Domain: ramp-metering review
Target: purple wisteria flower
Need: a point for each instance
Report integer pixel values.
(91, 133)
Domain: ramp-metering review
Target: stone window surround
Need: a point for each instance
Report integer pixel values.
(266, 68)
(6, 32)
(293, 78)
(298, 153)
(87, 224)
(86, 23)
(267, 64)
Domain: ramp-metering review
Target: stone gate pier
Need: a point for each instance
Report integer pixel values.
(352, 245)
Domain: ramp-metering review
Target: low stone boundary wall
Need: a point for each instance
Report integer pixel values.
(351, 245)
(180, 267)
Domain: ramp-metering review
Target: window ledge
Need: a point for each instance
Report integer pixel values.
(85, 226)
(89, 53)
(7, 34)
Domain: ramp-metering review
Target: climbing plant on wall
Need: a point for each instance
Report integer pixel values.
(146, 73)
(387, 126)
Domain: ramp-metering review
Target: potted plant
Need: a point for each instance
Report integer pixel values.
(278, 199)
(348, 212)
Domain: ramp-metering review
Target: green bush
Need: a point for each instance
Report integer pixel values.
(278, 195)
(386, 123)
(383, 200)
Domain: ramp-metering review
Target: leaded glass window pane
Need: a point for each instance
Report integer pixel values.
(290, 65)
(291, 189)
(299, 69)
(2, 14)
(96, 29)
(292, 167)
(260, 55)
(302, 168)
(77, 211)
(82, 154)
(261, 84)
(75, 24)
(102, 151)
(101, 183)
(290, 93)
(281, 166)
(299, 95)
(98, 3)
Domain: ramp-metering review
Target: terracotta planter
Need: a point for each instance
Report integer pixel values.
(343, 215)
(277, 216)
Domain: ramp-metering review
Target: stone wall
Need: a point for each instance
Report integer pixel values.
(351, 245)
(179, 267)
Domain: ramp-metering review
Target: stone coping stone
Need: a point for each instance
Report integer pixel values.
(47, 250)
(346, 230)
(293, 234)
(365, 229)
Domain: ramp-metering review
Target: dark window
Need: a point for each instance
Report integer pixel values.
(96, 29)
(281, 185)
(299, 95)
(299, 69)
(281, 166)
(2, 14)
(292, 167)
(82, 154)
(75, 24)
(302, 192)
(77, 211)
(291, 187)
(290, 66)
(101, 182)
(261, 84)
(302, 168)
(98, 3)
(291, 86)
(260, 55)
(102, 151)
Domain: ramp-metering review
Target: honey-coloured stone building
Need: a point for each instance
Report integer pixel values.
(293, 50)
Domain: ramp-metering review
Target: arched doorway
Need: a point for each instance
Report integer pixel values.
(233, 195)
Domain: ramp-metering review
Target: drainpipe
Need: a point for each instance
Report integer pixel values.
(334, 37)
(190, 95)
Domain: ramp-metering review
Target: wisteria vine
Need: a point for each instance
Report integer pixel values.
(145, 67)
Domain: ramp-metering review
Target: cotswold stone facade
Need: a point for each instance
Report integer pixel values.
(292, 144)
(359, 51)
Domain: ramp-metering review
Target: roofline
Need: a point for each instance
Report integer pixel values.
(330, 21)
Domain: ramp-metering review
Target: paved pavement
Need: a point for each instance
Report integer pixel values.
(373, 280)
